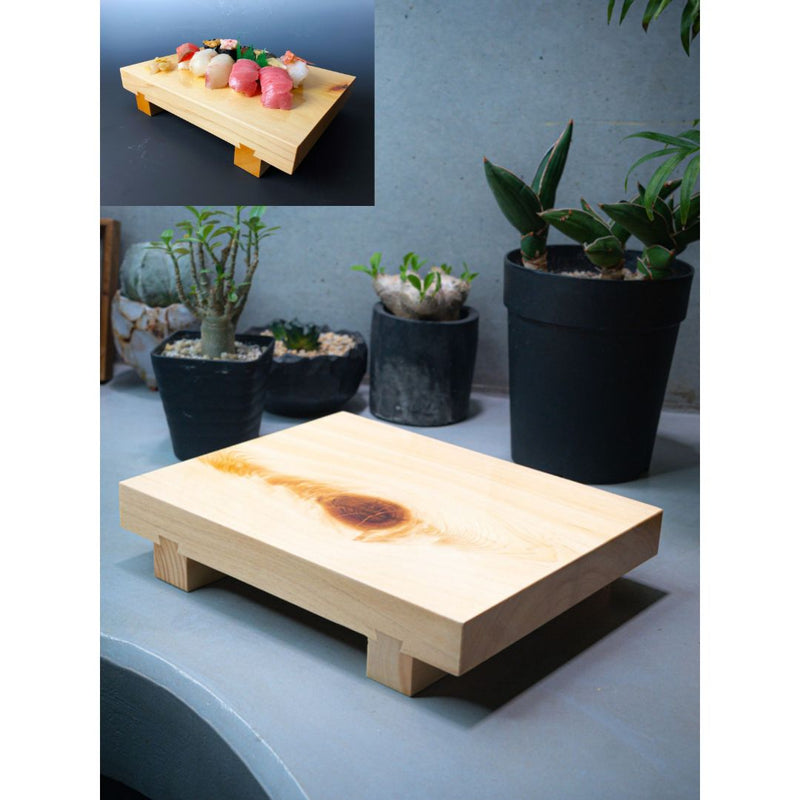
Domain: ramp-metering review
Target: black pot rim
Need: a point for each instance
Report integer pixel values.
(553, 298)
(265, 341)
(468, 315)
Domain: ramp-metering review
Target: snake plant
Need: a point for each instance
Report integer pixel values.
(523, 203)
(664, 236)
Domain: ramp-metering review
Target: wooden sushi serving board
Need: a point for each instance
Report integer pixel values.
(261, 136)
(439, 555)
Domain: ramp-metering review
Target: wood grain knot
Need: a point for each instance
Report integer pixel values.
(365, 512)
(339, 87)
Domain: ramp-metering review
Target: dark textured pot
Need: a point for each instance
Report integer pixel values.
(588, 365)
(211, 404)
(310, 387)
(420, 372)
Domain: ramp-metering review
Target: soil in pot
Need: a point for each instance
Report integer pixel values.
(211, 403)
(589, 362)
(311, 383)
(420, 371)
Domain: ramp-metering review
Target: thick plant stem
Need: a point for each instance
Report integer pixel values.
(216, 336)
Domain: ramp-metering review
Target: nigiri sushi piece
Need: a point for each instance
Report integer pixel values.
(244, 77)
(276, 88)
(198, 64)
(296, 67)
(185, 51)
(161, 64)
(218, 72)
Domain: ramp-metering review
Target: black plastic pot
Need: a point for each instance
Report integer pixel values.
(211, 404)
(420, 372)
(310, 387)
(588, 365)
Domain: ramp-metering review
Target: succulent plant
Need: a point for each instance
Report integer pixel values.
(295, 335)
(434, 295)
(663, 236)
(522, 204)
(213, 241)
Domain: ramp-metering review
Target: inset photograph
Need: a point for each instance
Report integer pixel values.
(255, 103)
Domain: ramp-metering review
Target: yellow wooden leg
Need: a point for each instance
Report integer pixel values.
(143, 104)
(170, 566)
(387, 665)
(244, 157)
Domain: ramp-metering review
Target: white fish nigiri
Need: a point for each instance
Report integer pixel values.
(198, 63)
(218, 72)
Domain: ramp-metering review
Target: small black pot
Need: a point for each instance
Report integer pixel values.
(420, 372)
(311, 387)
(211, 404)
(588, 365)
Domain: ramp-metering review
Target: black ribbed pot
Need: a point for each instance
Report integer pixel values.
(311, 387)
(211, 404)
(420, 372)
(588, 365)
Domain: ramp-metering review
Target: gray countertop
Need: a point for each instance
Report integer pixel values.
(602, 702)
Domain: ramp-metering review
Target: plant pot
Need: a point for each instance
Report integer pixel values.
(139, 328)
(211, 403)
(305, 387)
(420, 372)
(588, 365)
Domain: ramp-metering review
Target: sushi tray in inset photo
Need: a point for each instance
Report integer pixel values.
(440, 556)
(279, 136)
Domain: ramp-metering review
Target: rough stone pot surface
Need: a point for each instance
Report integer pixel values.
(589, 362)
(211, 403)
(138, 329)
(420, 371)
(305, 387)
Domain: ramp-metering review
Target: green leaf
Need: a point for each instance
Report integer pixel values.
(690, 23)
(415, 281)
(517, 201)
(577, 224)
(655, 262)
(649, 157)
(375, 263)
(658, 179)
(552, 168)
(533, 246)
(690, 176)
(654, 8)
(684, 237)
(681, 141)
(605, 252)
(634, 218)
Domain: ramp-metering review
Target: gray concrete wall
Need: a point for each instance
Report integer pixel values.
(456, 81)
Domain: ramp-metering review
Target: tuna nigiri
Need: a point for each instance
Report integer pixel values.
(198, 63)
(185, 51)
(296, 67)
(276, 88)
(219, 69)
(244, 77)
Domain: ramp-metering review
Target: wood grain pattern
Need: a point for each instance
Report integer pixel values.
(279, 138)
(109, 282)
(451, 553)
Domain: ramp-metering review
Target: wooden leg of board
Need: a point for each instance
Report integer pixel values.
(151, 109)
(245, 158)
(170, 566)
(387, 665)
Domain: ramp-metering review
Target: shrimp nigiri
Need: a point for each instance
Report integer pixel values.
(296, 67)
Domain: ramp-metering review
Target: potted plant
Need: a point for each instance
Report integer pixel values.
(314, 370)
(146, 309)
(423, 342)
(213, 383)
(591, 327)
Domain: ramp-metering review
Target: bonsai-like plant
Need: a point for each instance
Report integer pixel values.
(522, 204)
(663, 232)
(434, 295)
(214, 240)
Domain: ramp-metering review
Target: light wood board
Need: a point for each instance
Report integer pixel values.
(261, 136)
(439, 555)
